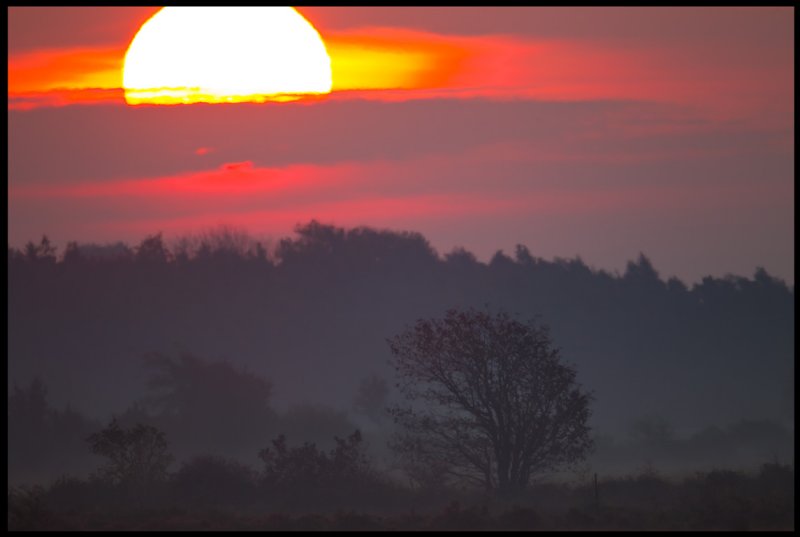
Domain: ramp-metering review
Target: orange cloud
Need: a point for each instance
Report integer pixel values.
(400, 64)
(77, 68)
(59, 77)
(65, 97)
(391, 59)
(371, 59)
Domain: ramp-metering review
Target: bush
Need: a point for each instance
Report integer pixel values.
(308, 466)
(26, 508)
(137, 457)
(307, 477)
(214, 481)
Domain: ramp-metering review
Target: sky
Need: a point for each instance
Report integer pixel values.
(597, 132)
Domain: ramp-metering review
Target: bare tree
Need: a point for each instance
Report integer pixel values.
(490, 396)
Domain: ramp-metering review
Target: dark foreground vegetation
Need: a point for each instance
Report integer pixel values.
(132, 479)
(125, 474)
(355, 379)
(235, 498)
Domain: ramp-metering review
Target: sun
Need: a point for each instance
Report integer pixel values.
(225, 54)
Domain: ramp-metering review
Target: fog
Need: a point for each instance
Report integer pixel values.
(224, 343)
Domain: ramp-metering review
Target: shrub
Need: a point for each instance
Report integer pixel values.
(214, 481)
(137, 458)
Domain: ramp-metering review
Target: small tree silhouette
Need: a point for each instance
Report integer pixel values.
(152, 250)
(43, 252)
(137, 457)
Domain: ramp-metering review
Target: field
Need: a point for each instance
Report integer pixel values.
(713, 500)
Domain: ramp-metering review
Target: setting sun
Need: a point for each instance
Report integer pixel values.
(225, 54)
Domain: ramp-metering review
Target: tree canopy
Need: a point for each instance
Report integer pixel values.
(490, 396)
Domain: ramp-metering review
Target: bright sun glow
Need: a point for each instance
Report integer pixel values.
(225, 54)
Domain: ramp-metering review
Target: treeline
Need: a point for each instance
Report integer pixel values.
(311, 313)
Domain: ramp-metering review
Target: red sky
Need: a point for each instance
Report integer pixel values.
(599, 132)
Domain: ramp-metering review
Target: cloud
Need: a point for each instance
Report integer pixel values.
(738, 28)
(487, 198)
(64, 97)
(77, 68)
(724, 74)
(102, 143)
(35, 28)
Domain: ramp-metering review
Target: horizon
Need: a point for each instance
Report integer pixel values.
(484, 257)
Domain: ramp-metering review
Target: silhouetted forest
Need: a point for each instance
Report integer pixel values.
(247, 355)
